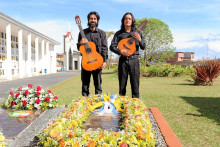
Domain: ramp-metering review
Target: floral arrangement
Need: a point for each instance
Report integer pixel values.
(31, 98)
(68, 129)
(2, 140)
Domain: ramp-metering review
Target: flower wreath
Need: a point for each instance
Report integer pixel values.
(2, 140)
(30, 98)
(68, 129)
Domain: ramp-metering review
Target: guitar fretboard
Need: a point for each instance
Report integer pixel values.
(83, 35)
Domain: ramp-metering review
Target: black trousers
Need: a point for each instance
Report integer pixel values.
(130, 67)
(85, 78)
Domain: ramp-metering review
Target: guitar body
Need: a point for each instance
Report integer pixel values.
(92, 60)
(124, 44)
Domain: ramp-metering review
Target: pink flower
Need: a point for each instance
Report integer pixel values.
(39, 88)
(20, 89)
(13, 103)
(56, 98)
(30, 85)
(26, 92)
(37, 101)
(38, 93)
(17, 94)
(47, 99)
(24, 102)
(12, 93)
(48, 91)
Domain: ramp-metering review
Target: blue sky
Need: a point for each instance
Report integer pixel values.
(195, 24)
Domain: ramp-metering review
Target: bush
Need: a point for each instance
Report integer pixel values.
(166, 70)
(206, 72)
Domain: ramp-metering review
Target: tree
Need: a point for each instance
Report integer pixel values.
(110, 55)
(158, 39)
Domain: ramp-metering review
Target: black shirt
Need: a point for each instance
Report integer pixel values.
(99, 38)
(119, 35)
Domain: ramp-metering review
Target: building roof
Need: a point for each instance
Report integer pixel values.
(5, 19)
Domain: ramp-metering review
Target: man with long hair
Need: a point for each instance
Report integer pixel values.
(97, 36)
(128, 64)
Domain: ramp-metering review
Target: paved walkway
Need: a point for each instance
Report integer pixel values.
(44, 81)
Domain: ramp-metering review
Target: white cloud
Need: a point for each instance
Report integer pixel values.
(187, 39)
(214, 45)
(55, 30)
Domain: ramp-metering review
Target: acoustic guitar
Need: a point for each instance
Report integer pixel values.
(129, 43)
(91, 59)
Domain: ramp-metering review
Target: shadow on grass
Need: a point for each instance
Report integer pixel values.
(208, 107)
(188, 84)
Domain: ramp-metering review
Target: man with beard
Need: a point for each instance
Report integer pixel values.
(97, 36)
(128, 64)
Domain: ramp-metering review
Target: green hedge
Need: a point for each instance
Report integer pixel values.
(166, 70)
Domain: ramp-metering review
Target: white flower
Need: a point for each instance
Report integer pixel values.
(31, 101)
(30, 95)
(50, 105)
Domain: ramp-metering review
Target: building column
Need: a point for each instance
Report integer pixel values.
(8, 54)
(48, 57)
(42, 55)
(29, 65)
(20, 54)
(36, 56)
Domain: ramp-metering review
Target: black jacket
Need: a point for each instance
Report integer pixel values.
(122, 34)
(99, 38)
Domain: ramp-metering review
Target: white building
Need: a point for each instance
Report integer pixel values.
(24, 51)
(72, 58)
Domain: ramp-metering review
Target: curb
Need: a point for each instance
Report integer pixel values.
(168, 134)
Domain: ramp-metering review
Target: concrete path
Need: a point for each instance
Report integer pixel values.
(44, 81)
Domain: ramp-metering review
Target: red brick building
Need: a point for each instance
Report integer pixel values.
(181, 56)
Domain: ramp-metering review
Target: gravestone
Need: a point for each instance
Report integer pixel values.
(106, 121)
(12, 126)
(19, 132)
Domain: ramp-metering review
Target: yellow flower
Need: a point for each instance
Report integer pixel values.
(54, 133)
(2, 138)
(106, 145)
(74, 123)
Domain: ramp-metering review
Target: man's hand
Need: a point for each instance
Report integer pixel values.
(103, 65)
(124, 52)
(137, 36)
(83, 41)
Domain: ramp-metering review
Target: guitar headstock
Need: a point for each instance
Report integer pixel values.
(77, 19)
(143, 24)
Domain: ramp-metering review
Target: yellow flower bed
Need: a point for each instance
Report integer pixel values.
(68, 129)
(2, 140)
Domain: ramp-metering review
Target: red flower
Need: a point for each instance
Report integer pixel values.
(124, 144)
(48, 91)
(13, 103)
(30, 85)
(37, 93)
(17, 94)
(26, 92)
(37, 101)
(20, 89)
(39, 88)
(24, 102)
(56, 98)
(47, 99)
(12, 93)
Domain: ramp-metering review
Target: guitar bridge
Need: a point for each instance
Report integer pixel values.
(92, 61)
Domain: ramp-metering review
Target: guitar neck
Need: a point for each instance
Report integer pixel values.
(82, 34)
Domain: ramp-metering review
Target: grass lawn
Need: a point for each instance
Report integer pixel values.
(193, 112)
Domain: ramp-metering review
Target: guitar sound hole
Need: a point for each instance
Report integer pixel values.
(130, 41)
(88, 50)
